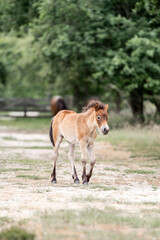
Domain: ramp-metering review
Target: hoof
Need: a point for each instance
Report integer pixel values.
(76, 181)
(54, 181)
(85, 183)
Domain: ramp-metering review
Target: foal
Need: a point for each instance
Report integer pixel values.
(79, 128)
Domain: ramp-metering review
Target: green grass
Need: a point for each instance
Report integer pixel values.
(4, 220)
(15, 169)
(29, 124)
(26, 161)
(87, 199)
(154, 188)
(16, 233)
(112, 169)
(98, 224)
(141, 142)
(150, 166)
(138, 171)
(31, 147)
(133, 156)
(31, 177)
(103, 188)
(10, 138)
(24, 140)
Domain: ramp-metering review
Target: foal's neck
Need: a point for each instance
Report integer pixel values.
(90, 119)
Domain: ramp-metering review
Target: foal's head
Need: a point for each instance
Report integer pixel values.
(101, 115)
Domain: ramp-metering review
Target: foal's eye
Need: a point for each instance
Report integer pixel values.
(98, 118)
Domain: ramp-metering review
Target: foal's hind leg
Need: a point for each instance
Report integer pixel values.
(55, 156)
(71, 158)
(92, 159)
(84, 160)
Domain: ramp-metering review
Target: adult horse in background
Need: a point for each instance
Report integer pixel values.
(57, 104)
(79, 128)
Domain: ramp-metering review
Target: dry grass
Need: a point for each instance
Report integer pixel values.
(122, 200)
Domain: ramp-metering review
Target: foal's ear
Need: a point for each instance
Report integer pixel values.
(106, 107)
(96, 106)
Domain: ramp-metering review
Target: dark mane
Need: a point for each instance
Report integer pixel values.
(93, 103)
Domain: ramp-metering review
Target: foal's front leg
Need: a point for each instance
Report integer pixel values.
(91, 154)
(84, 160)
(71, 158)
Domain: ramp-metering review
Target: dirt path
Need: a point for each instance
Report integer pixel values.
(26, 191)
(24, 156)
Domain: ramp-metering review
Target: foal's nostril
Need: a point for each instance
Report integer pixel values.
(105, 130)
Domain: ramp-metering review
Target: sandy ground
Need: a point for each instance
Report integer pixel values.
(22, 197)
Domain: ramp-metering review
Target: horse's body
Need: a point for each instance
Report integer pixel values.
(57, 104)
(79, 128)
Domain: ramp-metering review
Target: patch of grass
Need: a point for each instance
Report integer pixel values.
(92, 217)
(141, 142)
(103, 188)
(150, 203)
(66, 172)
(27, 161)
(15, 169)
(31, 177)
(31, 147)
(28, 124)
(103, 234)
(112, 169)
(19, 183)
(121, 164)
(87, 199)
(134, 156)
(138, 171)
(156, 158)
(36, 140)
(41, 191)
(154, 188)
(4, 220)
(77, 159)
(10, 138)
(16, 233)
(150, 166)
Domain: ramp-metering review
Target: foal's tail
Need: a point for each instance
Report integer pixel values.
(51, 133)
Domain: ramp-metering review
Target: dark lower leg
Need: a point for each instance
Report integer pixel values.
(92, 160)
(55, 156)
(90, 171)
(53, 175)
(74, 176)
(84, 175)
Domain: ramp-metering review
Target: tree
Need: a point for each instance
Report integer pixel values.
(115, 45)
(82, 48)
(17, 15)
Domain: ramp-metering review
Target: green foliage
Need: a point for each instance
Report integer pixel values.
(17, 14)
(16, 233)
(81, 48)
(26, 71)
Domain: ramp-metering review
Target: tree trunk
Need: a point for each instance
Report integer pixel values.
(157, 104)
(118, 102)
(136, 103)
(79, 98)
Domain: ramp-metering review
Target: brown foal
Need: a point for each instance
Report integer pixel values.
(79, 128)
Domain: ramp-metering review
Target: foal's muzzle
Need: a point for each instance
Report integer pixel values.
(105, 130)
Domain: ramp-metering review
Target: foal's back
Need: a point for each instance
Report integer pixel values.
(64, 124)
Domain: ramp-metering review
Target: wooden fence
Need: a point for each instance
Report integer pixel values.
(29, 105)
(25, 105)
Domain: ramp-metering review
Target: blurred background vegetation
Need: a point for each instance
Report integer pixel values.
(84, 48)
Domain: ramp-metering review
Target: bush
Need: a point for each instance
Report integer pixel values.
(16, 233)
